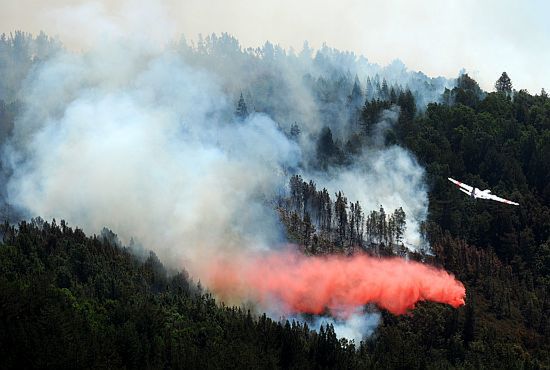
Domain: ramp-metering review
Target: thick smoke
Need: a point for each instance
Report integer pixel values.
(355, 327)
(152, 154)
(144, 140)
(384, 176)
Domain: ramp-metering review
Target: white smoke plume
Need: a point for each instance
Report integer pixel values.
(389, 177)
(150, 154)
(388, 119)
(384, 176)
(143, 140)
(356, 327)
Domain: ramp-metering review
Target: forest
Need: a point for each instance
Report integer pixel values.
(76, 299)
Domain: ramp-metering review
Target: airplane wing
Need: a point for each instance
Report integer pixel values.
(465, 191)
(461, 185)
(499, 199)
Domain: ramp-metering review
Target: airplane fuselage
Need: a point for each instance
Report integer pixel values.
(476, 193)
(481, 194)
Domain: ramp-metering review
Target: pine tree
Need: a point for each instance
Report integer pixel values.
(340, 210)
(242, 111)
(359, 223)
(393, 95)
(369, 90)
(504, 84)
(308, 230)
(355, 101)
(385, 92)
(326, 148)
(381, 225)
(399, 220)
(295, 131)
(468, 332)
(356, 97)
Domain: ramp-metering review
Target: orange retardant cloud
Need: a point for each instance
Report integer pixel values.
(338, 283)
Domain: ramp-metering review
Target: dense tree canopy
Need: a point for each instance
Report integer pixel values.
(69, 300)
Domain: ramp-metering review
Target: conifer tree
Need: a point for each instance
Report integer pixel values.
(356, 97)
(242, 111)
(399, 219)
(295, 131)
(504, 84)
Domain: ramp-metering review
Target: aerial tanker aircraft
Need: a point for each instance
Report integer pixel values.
(482, 194)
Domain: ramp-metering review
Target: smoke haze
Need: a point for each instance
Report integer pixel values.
(147, 153)
(482, 37)
(143, 139)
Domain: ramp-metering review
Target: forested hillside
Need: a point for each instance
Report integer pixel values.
(497, 140)
(68, 300)
(329, 152)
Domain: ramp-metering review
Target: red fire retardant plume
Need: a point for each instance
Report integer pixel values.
(338, 283)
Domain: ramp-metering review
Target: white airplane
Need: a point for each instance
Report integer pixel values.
(476, 193)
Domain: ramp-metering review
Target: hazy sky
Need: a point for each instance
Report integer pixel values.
(437, 37)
